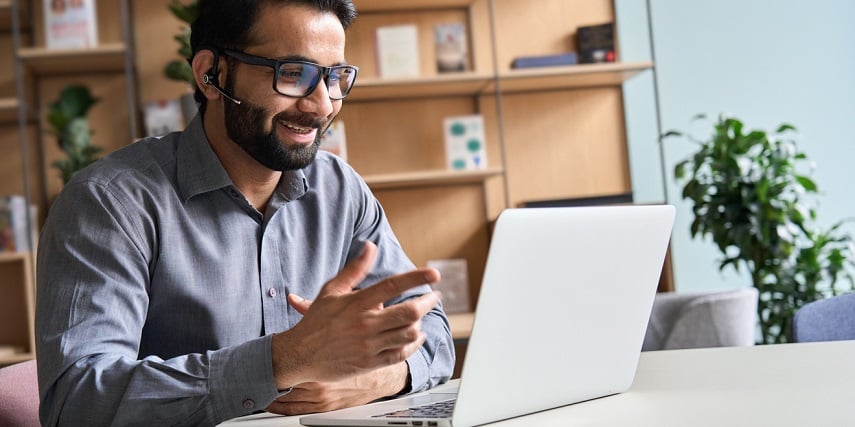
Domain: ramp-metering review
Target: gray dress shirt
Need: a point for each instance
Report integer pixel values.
(160, 286)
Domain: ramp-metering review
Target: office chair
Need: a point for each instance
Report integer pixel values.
(19, 395)
(830, 319)
(708, 319)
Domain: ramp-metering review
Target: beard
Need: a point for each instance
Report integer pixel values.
(245, 127)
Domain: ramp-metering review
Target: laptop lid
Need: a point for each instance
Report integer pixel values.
(563, 308)
(561, 316)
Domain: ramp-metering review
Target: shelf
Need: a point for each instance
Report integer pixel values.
(45, 62)
(570, 76)
(13, 256)
(16, 358)
(364, 6)
(429, 178)
(461, 325)
(470, 84)
(466, 83)
(8, 111)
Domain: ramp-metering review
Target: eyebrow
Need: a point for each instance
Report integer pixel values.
(304, 59)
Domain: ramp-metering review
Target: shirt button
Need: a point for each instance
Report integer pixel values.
(248, 404)
(271, 292)
(233, 193)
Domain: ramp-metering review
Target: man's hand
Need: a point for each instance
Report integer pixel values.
(314, 397)
(347, 333)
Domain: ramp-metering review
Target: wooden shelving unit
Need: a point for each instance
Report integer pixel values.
(17, 342)
(551, 133)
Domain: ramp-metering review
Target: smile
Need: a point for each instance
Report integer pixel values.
(298, 129)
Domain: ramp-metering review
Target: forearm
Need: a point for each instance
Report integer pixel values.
(198, 389)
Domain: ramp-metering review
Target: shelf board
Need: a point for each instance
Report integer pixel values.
(13, 256)
(570, 76)
(104, 58)
(364, 6)
(429, 178)
(8, 110)
(466, 83)
(461, 325)
(16, 358)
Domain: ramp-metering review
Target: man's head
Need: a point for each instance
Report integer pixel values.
(239, 47)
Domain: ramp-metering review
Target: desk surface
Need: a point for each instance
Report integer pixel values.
(783, 385)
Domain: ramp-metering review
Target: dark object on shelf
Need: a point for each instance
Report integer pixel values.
(611, 199)
(568, 58)
(596, 43)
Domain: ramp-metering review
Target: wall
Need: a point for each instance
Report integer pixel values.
(764, 61)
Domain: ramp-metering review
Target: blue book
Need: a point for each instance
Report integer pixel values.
(568, 58)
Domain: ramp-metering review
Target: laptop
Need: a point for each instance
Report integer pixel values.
(561, 317)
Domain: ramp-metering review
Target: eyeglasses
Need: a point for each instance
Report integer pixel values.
(298, 79)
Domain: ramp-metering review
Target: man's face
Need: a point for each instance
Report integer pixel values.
(279, 132)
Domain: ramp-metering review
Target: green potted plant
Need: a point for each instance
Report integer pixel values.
(67, 119)
(753, 198)
(179, 69)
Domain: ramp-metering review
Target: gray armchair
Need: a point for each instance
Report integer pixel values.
(709, 319)
(830, 319)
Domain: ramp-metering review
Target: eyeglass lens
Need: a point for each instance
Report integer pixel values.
(299, 79)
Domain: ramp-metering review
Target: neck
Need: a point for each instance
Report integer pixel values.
(254, 180)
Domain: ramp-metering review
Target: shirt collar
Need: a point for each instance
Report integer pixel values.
(200, 171)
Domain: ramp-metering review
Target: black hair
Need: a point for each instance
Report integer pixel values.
(228, 23)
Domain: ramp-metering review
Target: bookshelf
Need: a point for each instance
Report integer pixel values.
(551, 133)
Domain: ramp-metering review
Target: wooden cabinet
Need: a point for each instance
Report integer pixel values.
(551, 133)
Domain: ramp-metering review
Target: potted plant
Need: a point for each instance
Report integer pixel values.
(751, 195)
(67, 119)
(179, 69)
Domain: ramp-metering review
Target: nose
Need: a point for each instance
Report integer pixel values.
(318, 102)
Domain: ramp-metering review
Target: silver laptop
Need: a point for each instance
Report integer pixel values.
(561, 317)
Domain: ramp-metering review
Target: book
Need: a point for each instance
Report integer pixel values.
(596, 43)
(162, 117)
(569, 58)
(70, 24)
(13, 224)
(451, 47)
(454, 284)
(398, 51)
(465, 148)
(334, 140)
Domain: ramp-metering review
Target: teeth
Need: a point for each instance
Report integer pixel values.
(298, 129)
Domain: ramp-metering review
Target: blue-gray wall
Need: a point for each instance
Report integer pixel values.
(764, 61)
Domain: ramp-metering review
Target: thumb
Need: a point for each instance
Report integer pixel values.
(299, 304)
(353, 273)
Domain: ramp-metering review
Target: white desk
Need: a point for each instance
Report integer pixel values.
(778, 385)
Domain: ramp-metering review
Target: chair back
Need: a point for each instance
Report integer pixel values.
(702, 319)
(830, 319)
(19, 395)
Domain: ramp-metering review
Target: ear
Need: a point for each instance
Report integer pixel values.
(202, 63)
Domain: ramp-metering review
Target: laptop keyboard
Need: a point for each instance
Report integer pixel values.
(442, 409)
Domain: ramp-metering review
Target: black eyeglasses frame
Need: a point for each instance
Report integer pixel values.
(275, 65)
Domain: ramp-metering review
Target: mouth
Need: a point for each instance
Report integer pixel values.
(297, 133)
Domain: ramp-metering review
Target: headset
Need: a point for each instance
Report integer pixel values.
(212, 78)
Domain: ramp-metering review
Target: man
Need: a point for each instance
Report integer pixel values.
(172, 273)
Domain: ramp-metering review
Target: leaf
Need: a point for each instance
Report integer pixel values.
(807, 183)
(784, 128)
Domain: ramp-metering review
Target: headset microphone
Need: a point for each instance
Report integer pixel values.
(209, 79)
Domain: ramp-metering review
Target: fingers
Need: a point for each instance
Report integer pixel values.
(299, 304)
(396, 285)
(353, 273)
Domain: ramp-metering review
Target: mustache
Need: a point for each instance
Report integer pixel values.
(304, 120)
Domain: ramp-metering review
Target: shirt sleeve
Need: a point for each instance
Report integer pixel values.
(433, 363)
(92, 300)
